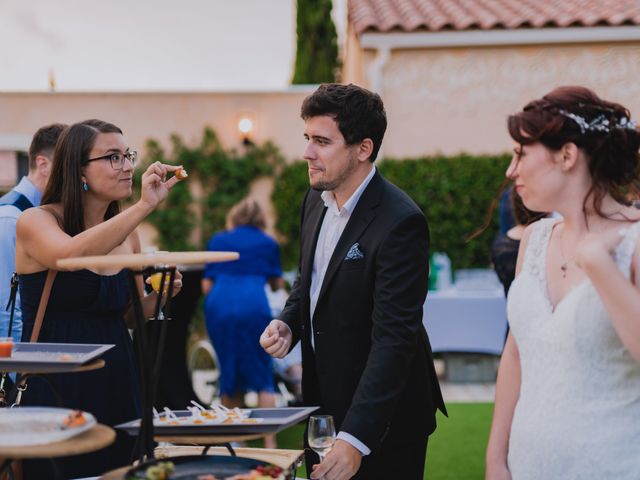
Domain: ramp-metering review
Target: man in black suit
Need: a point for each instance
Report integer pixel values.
(357, 303)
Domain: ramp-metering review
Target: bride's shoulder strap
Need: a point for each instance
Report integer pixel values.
(624, 252)
(538, 239)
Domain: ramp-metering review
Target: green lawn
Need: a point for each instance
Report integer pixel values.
(456, 449)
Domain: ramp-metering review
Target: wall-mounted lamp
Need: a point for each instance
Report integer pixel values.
(245, 127)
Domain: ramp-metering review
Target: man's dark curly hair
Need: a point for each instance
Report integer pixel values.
(358, 112)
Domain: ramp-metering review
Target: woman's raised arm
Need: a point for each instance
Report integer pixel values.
(40, 241)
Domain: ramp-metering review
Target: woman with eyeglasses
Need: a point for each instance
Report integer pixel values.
(92, 172)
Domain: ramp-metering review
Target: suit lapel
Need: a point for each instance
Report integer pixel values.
(315, 217)
(361, 217)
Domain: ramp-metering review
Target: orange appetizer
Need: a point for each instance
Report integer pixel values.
(75, 419)
(181, 173)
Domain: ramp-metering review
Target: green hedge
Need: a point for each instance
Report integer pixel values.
(288, 193)
(224, 176)
(454, 193)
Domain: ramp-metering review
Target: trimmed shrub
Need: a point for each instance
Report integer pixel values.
(453, 192)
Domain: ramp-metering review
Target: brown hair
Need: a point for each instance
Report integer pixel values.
(612, 153)
(44, 142)
(65, 182)
(246, 212)
(358, 112)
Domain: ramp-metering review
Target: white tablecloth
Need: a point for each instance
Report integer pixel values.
(466, 321)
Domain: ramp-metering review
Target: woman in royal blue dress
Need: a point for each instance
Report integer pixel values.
(92, 171)
(236, 306)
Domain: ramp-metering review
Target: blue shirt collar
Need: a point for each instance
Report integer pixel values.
(29, 190)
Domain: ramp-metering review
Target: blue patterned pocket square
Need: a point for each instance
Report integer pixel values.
(354, 253)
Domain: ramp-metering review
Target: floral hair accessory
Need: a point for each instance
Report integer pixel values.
(599, 124)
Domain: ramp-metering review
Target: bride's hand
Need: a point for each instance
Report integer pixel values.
(155, 186)
(595, 247)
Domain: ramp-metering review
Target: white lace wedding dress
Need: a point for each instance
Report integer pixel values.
(578, 414)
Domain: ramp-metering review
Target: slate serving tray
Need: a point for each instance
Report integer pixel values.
(50, 357)
(273, 420)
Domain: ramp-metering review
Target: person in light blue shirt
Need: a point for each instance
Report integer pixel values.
(26, 194)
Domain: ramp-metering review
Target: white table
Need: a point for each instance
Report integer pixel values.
(466, 321)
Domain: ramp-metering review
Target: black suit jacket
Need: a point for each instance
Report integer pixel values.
(372, 367)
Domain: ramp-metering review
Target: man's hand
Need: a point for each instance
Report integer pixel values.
(276, 339)
(341, 463)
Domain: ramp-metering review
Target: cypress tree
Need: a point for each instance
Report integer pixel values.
(317, 43)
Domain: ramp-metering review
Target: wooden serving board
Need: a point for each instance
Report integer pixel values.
(141, 260)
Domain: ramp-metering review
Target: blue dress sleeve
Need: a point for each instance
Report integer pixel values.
(275, 269)
(211, 270)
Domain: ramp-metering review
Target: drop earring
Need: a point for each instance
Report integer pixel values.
(85, 186)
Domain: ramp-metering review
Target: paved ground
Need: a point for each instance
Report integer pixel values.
(468, 391)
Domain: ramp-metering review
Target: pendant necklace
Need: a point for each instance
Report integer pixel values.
(564, 266)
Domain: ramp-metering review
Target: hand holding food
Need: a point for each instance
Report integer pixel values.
(155, 186)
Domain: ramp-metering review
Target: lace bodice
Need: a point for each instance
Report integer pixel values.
(579, 405)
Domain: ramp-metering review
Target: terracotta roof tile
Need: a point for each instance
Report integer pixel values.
(435, 15)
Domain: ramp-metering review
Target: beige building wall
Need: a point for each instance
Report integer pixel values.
(8, 169)
(275, 115)
(353, 66)
(453, 100)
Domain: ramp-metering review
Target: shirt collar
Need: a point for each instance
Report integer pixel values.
(349, 205)
(29, 190)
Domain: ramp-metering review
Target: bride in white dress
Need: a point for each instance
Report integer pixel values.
(568, 391)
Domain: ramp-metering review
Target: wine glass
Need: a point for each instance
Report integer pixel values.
(321, 434)
(155, 280)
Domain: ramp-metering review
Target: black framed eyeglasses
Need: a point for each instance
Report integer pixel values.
(117, 159)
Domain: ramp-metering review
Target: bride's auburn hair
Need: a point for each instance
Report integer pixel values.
(602, 130)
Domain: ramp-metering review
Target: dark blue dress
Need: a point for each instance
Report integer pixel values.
(85, 307)
(237, 310)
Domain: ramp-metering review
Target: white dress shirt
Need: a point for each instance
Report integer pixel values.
(333, 224)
